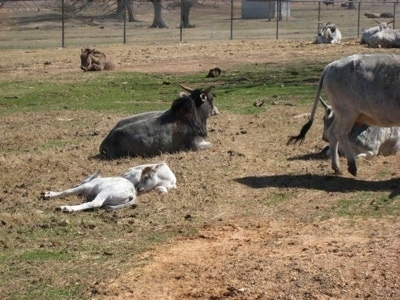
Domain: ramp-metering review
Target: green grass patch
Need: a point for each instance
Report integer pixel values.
(136, 92)
(43, 255)
(368, 204)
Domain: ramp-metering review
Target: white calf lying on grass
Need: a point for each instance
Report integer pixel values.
(152, 176)
(118, 192)
(110, 192)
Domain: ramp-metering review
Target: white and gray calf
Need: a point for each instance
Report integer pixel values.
(329, 34)
(152, 176)
(109, 192)
(365, 141)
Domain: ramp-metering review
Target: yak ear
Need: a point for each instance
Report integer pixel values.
(329, 112)
(208, 90)
(156, 167)
(205, 93)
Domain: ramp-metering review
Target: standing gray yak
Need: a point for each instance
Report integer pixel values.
(181, 128)
(362, 88)
(93, 60)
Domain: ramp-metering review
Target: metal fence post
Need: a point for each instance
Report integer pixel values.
(124, 21)
(358, 19)
(231, 19)
(181, 27)
(394, 15)
(277, 19)
(319, 17)
(62, 24)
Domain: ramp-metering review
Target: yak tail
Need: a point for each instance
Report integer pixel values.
(302, 135)
(90, 178)
(306, 127)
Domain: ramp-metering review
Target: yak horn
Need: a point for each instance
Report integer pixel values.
(208, 90)
(187, 89)
(324, 104)
(390, 22)
(378, 22)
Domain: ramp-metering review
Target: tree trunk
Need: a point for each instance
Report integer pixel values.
(351, 5)
(129, 9)
(158, 21)
(187, 5)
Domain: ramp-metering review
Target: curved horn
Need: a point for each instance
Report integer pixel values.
(187, 89)
(378, 22)
(390, 22)
(208, 89)
(324, 104)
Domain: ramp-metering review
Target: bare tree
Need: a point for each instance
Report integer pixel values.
(186, 6)
(351, 5)
(129, 9)
(158, 21)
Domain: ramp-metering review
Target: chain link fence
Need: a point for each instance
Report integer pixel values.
(80, 23)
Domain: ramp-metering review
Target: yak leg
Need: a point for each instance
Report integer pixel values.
(161, 189)
(351, 162)
(334, 149)
(367, 155)
(200, 144)
(76, 190)
(95, 67)
(96, 203)
(341, 134)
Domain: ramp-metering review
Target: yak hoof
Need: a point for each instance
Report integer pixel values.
(352, 168)
(338, 172)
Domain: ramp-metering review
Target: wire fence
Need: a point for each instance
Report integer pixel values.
(44, 24)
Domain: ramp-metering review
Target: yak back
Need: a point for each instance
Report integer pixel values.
(139, 118)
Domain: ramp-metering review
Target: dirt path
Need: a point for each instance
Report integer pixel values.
(275, 260)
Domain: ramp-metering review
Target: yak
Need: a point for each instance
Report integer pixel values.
(182, 127)
(93, 60)
(362, 88)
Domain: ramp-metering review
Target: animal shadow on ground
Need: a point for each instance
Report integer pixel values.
(312, 156)
(321, 182)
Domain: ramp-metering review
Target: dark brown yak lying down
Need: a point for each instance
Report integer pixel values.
(183, 127)
(93, 60)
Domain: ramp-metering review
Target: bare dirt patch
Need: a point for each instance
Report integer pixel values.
(270, 220)
(272, 260)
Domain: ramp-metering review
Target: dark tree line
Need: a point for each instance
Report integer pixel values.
(119, 8)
